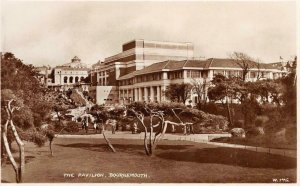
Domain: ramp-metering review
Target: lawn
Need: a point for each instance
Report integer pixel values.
(174, 162)
(259, 141)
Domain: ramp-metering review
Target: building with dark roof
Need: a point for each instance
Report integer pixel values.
(153, 66)
(149, 84)
(135, 55)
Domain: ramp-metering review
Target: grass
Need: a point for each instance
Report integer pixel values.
(258, 141)
(173, 162)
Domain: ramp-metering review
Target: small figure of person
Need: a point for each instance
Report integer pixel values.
(134, 128)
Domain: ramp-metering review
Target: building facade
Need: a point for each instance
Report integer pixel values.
(135, 55)
(150, 83)
(144, 70)
(64, 76)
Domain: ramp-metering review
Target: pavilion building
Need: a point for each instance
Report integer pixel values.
(144, 70)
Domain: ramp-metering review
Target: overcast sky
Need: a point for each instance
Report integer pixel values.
(52, 33)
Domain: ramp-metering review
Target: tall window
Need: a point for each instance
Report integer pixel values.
(195, 74)
(65, 79)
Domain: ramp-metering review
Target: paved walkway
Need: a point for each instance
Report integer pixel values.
(200, 138)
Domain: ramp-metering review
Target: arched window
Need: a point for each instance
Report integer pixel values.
(81, 79)
(76, 79)
(71, 79)
(65, 79)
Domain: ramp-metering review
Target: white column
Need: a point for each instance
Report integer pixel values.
(163, 89)
(140, 94)
(120, 95)
(184, 74)
(146, 94)
(104, 78)
(136, 94)
(158, 93)
(152, 94)
(165, 75)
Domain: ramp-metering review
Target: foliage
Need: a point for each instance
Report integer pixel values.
(78, 100)
(199, 118)
(72, 127)
(19, 82)
(38, 139)
(178, 92)
(244, 61)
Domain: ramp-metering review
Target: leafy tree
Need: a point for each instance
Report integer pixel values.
(178, 92)
(223, 88)
(20, 89)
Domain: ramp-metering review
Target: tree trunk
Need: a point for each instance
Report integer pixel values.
(50, 146)
(21, 169)
(107, 141)
(8, 151)
(228, 112)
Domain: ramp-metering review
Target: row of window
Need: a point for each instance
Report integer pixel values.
(72, 78)
(251, 74)
(71, 72)
(197, 74)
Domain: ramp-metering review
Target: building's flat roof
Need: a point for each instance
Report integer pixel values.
(155, 41)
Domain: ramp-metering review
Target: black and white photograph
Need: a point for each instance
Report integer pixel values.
(160, 92)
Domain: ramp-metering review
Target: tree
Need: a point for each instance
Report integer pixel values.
(20, 88)
(244, 61)
(200, 88)
(178, 92)
(223, 88)
(258, 65)
(151, 140)
(19, 169)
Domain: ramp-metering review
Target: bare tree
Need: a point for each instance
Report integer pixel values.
(200, 88)
(19, 169)
(258, 66)
(244, 61)
(150, 141)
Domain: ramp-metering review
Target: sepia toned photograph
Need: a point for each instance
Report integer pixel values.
(149, 92)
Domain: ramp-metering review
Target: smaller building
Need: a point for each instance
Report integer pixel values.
(64, 76)
(70, 73)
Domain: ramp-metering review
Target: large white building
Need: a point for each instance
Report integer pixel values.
(135, 55)
(149, 84)
(144, 70)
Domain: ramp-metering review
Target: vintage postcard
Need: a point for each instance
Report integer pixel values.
(161, 92)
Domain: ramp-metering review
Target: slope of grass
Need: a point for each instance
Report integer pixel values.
(173, 162)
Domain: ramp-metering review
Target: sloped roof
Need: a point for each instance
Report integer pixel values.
(201, 64)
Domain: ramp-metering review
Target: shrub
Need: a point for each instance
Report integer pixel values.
(38, 139)
(77, 98)
(72, 127)
(238, 124)
(261, 120)
(58, 126)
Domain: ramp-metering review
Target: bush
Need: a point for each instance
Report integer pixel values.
(238, 124)
(261, 120)
(77, 98)
(38, 139)
(72, 127)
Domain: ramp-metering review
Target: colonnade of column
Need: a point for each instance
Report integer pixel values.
(147, 94)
